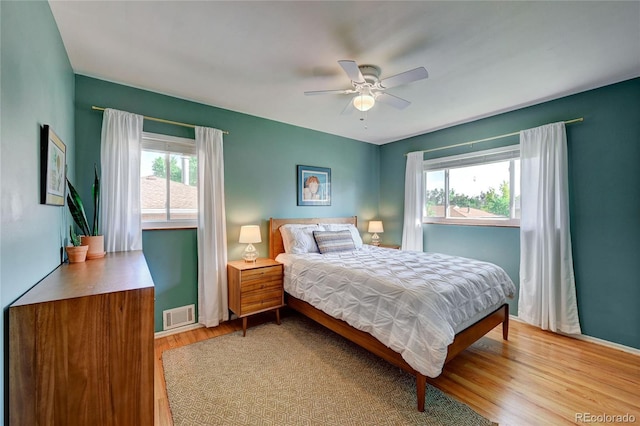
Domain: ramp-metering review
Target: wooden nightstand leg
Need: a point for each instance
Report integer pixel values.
(244, 326)
(278, 316)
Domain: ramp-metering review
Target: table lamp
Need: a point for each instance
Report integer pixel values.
(375, 226)
(250, 234)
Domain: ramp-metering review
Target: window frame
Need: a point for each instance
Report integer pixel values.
(168, 145)
(476, 158)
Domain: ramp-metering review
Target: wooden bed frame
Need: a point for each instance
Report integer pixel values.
(462, 340)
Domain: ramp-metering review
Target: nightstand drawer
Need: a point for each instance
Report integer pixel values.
(256, 285)
(259, 300)
(261, 274)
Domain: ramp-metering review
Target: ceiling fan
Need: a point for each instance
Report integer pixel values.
(368, 87)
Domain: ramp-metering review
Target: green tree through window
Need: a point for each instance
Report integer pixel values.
(159, 169)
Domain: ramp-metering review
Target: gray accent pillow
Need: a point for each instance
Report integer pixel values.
(334, 241)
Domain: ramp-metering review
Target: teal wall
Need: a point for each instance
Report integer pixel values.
(604, 183)
(172, 259)
(260, 158)
(37, 87)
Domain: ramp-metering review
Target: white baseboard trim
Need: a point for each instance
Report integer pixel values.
(591, 339)
(603, 342)
(176, 330)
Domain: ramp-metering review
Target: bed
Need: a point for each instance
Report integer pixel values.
(343, 267)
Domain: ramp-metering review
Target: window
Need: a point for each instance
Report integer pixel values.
(480, 188)
(168, 182)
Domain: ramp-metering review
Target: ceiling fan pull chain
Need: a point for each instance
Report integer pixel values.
(363, 118)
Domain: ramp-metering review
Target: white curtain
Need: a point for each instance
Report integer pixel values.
(120, 183)
(212, 230)
(413, 202)
(547, 283)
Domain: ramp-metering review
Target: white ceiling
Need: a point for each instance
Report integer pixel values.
(259, 58)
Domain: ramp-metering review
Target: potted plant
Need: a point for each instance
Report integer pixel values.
(75, 252)
(91, 237)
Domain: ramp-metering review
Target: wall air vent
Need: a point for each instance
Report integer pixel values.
(178, 317)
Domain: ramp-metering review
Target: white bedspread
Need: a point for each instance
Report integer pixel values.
(413, 302)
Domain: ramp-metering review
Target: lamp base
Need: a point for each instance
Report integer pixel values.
(250, 254)
(375, 240)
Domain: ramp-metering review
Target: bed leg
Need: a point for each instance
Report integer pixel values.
(421, 388)
(505, 323)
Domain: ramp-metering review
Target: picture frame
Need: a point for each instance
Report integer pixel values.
(53, 168)
(314, 186)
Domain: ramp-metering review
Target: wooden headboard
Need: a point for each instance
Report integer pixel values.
(275, 238)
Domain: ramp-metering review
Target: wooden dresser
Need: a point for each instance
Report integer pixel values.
(81, 345)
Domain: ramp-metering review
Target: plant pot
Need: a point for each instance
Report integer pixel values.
(77, 254)
(96, 246)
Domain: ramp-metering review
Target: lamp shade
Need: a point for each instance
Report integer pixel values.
(250, 234)
(375, 226)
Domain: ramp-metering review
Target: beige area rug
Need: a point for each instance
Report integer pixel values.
(298, 373)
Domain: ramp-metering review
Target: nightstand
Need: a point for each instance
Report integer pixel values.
(391, 246)
(255, 287)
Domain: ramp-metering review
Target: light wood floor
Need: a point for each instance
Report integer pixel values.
(536, 378)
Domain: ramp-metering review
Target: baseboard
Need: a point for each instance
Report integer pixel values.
(602, 342)
(591, 339)
(176, 330)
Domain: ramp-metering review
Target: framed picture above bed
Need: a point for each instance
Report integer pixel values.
(314, 186)
(53, 165)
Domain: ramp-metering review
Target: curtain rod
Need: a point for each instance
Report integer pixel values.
(575, 120)
(162, 120)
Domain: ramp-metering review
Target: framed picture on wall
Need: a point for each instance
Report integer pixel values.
(53, 166)
(314, 186)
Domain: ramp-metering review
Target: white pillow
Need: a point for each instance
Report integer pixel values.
(357, 239)
(298, 238)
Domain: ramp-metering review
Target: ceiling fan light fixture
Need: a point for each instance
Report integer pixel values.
(364, 102)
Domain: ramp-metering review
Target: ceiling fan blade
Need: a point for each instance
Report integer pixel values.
(349, 108)
(352, 70)
(392, 100)
(405, 77)
(330, 92)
